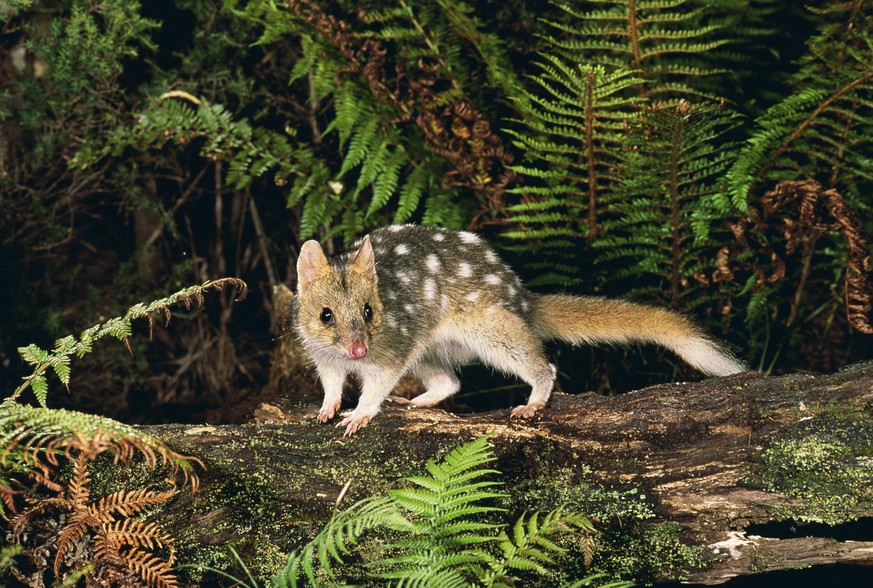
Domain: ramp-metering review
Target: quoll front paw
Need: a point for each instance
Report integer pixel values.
(353, 423)
(327, 411)
(526, 411)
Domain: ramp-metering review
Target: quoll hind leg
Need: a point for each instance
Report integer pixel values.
(441, 382)
(504, 341)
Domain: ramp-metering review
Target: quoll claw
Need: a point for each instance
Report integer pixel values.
(327, 412)
(353, 424)
(526, 411)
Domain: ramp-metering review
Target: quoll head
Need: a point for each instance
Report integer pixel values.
(338, 302)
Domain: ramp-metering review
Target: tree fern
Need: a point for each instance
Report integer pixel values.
(666, 41)
(572, 137)
(662, 229)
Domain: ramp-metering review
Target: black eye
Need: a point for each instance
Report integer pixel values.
(326, 316)
(368, 313)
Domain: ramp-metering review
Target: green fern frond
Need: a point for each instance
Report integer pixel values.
(669, 44)
(119, 327)
(411, 193)
(250, 153)
(571, 136)
(663, 209)
(317, 207)
(822, 130)
(440, 534)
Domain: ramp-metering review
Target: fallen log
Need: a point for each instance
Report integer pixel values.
(684, 480)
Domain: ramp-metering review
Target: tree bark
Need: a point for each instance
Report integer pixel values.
(717, 462)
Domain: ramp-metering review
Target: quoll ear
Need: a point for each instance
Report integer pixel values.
(311, 264)
(365, 259)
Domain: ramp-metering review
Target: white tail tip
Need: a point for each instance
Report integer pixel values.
(708, 357)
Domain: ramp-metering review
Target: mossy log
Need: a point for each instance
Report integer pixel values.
(686, 480)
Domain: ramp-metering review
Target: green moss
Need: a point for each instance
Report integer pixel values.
(575, 488)
(648, 554)
(628, 547)
(826, 462)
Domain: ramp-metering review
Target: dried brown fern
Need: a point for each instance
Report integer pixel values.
(122, 551)
(36, 439)
(803, 211)
(127, 548)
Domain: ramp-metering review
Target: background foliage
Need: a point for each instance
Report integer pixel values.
(619, 147)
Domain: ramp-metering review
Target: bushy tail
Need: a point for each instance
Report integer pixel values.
(582, 319)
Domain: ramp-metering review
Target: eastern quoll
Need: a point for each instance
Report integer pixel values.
(423, 301)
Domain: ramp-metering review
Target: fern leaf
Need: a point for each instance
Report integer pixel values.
(30, 435)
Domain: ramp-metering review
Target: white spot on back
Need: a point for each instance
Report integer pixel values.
(492, 279)
(444, 302)
(467, 237)
(403, 277)
(464, 270)
(429, 289)
(401, 249)
(432, 262)
(472, 297)
(396, 228)
(438, 236)
(410, 308)
(491, 257)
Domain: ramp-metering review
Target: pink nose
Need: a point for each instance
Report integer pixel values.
(358, 351)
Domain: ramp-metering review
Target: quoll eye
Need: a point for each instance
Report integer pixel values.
(326, 316)
(368, 313)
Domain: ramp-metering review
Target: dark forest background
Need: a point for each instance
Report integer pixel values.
(714, 157)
